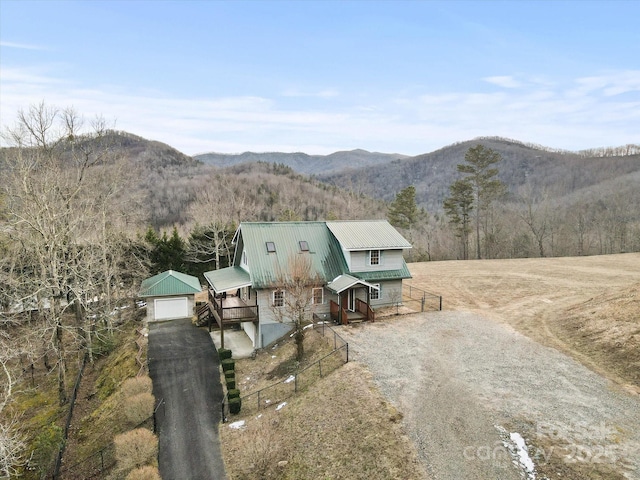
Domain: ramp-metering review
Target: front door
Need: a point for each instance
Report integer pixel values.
(351, 300)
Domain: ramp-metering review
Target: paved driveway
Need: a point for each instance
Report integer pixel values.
(184, 367)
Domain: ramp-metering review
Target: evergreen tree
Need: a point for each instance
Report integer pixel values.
(403, 211)
(166, 253)
(458, 207)
(481, 175)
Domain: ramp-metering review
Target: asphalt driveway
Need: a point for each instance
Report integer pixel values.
(183, 364)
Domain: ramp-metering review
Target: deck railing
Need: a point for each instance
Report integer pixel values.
(365, 309)
(337, 312)
(233, 314)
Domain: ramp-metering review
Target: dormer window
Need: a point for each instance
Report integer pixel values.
(271, 247)
(304, 246)
(374, 257)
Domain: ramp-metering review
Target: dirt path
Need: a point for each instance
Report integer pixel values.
(460, 379)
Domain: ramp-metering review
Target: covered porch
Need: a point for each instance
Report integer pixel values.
(349, 307)
(230, 301)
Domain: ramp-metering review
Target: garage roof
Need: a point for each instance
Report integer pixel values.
(170, 283)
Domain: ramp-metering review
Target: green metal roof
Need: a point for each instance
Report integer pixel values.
(230, 278)
(378, 275)
(367, 235)
(169, 283)
(267, 268)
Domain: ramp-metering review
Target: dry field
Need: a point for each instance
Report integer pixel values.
(586, 307)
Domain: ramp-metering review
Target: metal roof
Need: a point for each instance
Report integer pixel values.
(230, 278)
(344, 282)
(367, 235)
(399, 274)
(267, 268)
(169, 283)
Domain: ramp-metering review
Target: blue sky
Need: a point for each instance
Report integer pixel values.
(407, 77)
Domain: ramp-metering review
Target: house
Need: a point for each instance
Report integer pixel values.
(359, 263)
(170, 295)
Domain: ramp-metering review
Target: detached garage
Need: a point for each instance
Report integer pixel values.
(169, 295)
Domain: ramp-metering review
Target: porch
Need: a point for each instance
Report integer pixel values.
(362, 313)
(226, 310)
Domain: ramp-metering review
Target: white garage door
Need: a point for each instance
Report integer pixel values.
(165, 308)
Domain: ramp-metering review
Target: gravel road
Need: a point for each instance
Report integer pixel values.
(465, 382)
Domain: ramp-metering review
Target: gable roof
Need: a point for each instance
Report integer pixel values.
(367, 235)
(267, 267)
(169, 283)
(344, 282)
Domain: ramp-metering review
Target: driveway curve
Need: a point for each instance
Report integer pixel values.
(462, 381)
(184, 367)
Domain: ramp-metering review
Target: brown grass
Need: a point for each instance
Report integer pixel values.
(147, 472)
(136, 385)
(340, 428)
(135, 448)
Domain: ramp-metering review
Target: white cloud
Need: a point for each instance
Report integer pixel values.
(504, 81)
(576, 114)
(21, 46)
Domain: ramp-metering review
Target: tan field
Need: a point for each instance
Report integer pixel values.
(586, 307)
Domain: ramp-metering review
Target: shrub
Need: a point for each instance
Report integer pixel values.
(136, 385)
(228, 364)
(229, 374)
(135, 449)
(46, 447)
(224, 353)
(148, 472)
(139, 408)
(233, 393)
(234, 405)
(231, 384)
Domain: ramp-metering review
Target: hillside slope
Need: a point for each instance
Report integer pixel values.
(302, 162)
(558, 174)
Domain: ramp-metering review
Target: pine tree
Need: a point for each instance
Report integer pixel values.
(403, 211)
(458, 207)
(481, 175)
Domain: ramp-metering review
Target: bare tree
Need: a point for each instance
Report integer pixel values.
(295, 294)
(65, 208)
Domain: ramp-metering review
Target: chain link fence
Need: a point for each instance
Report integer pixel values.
(275, 394)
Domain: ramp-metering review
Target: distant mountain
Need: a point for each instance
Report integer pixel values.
(302, 162)
(563, 175)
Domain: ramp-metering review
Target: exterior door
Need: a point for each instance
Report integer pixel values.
(351, 300)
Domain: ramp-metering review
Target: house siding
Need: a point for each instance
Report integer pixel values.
(389, 260)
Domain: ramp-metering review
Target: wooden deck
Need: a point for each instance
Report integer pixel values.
(226, 311)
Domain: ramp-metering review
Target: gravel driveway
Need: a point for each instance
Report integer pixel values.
(464, 383)
(184, 367)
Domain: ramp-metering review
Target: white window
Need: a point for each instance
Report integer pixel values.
(374, 293)
(317, 296)
(244, 257)
(375, 257)
(278, 298)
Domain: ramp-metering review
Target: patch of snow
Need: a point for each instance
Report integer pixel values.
(308, 326)
(273, 356)
(259, 416)
(267, 401)
(523, 455)
(290, 379)
(237, 425)
(280, 406)
(519, 451)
